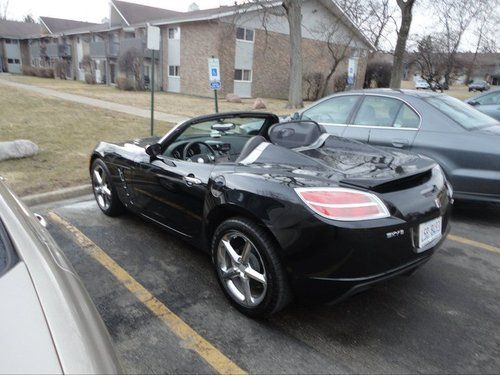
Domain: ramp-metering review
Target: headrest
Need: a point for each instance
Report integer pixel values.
(295, 134)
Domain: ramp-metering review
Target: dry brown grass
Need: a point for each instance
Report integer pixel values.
(66, 134)
(457, 91)
(177, 104)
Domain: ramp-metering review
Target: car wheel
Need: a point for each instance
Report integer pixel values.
(248, 268)
(104, 191)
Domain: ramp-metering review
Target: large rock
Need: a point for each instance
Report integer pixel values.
(17, 149)
(259, 104)
(233, 98)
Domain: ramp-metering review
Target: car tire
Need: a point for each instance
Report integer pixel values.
(104, 191)
(256, 297)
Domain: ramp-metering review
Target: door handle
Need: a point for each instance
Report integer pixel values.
(191, 180)
(400, 143)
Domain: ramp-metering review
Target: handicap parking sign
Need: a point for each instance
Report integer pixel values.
(215, 85)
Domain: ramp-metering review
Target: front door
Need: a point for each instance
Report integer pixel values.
(172, 192)
(333, 113)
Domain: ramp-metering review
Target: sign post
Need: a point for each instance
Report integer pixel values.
(153, 44)
(214, 79)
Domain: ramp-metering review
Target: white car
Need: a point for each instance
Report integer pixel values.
(422, 84)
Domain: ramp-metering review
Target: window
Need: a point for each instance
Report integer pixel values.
(407, 118)
(244, 34)
(174, 71)
(243, 75)
(489, 99)
(8, 41)
(462, 113)
(332, 111)
(17, 61)
(174, 33)
(8, 257)
(377, 111)
(10, 61)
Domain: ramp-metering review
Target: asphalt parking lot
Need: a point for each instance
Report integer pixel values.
(444, 318)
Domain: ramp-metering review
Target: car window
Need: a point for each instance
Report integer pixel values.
(407, 118)
(466, 116)
(7, 255)
(377, 111)
(332, 111)
(236, 126)
(489, 99)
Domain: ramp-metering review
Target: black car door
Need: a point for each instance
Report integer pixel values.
(171, 192)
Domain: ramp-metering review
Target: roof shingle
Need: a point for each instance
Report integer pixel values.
(18, 30)
(57, 25)
(137, 13)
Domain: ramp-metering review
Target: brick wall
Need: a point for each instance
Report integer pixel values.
(199, 41)
(272, 64)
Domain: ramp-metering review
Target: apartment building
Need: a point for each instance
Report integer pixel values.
(250, 41)
(14, 50)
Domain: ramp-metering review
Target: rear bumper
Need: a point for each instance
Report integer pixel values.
(339, 262)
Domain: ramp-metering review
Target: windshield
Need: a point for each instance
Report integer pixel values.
(244, 127)
(462, 113)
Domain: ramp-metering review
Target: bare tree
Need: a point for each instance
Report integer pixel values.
(406, 7)
(455, 17)
(339, 41)
(430, 57)
(130, 63)
(373, 17)
(484, 29)
(28, 18)
(4, 7)
(293, 9)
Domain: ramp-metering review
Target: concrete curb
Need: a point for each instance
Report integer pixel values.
(52, 196)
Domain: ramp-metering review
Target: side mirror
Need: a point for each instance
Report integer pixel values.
(153, 150)
(473, 103)
(296, 116)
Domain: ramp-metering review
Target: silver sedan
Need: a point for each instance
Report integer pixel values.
(48, 323)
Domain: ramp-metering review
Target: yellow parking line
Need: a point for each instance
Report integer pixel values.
(473, 243)
(190, 337)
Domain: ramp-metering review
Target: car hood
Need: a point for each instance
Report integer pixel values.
(344, 161)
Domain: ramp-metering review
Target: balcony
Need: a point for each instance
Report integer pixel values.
(138, 44)
(55, 50)
(103, 49)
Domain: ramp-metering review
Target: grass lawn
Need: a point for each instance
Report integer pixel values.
(457, 91)
(177, 104)
(66, 134)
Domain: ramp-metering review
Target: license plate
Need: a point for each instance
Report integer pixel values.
(429, 231)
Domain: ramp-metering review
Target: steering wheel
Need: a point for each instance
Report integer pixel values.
(191, 144)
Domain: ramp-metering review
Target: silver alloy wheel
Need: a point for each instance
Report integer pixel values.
(241, 269)
(101, 188)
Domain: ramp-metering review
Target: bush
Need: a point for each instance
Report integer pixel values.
(378, 74)
(340, 83)
(312, 84)
(124, 83)
(29, 71)
(130, 63)
(47, 72)
(89, 79)
(60, 67)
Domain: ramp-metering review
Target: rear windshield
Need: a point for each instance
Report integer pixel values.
(462, 113)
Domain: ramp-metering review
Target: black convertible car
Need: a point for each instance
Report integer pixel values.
(285, 209)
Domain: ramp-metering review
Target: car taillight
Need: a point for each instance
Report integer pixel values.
(343, 204)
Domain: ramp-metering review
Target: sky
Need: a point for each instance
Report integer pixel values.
(92, 10)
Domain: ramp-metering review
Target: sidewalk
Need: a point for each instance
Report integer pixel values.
(134, 111)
